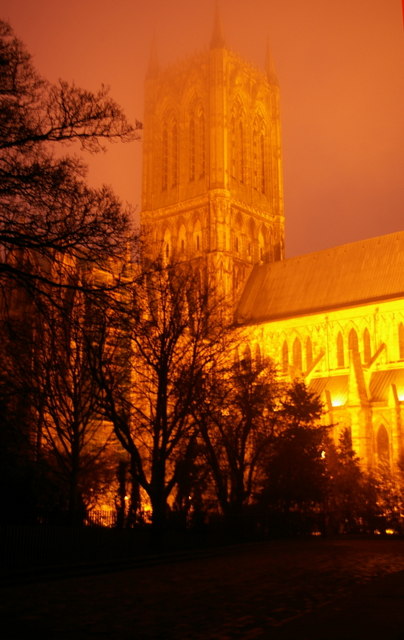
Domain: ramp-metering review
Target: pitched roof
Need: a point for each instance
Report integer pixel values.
(348, 275)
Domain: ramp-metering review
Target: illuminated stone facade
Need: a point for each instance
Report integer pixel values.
(212, 195)
(212, 178)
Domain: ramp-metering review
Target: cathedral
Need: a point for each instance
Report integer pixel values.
(212, 194)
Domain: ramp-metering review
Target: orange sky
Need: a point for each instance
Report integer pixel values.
(341, 71)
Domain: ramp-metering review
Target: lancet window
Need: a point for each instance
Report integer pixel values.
(166, 246)
(382, 446)
(367, 351)
(340, 350)
(353, 341)
(259, 167)
(169, 154)
(197, 236)
(401, 341)
(174, 154)
(238, 143)
(182, 239)
(285, 357)
(196, 143)
(164, 160)
(309, 352)
(297, 354)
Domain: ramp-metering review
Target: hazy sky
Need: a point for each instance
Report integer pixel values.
(340, 65)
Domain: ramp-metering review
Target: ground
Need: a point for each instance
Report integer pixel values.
(267, 590)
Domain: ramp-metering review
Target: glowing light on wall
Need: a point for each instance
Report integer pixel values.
(338, 400)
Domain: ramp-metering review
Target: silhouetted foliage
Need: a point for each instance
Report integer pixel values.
(46, 208)
(54, 230)
(235, 417)
(295, 481)
(161, 327)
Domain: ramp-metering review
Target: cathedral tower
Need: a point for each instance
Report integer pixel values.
(212, 177)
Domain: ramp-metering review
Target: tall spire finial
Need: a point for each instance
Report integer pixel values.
(269, 66)
(153, 59)
(217, 41)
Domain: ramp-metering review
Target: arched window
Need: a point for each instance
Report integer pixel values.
(246, 361)
(297, 354)
(401, 341)
(166, 246)
(233, 143)
(237, 143)
(262, 162)
(382, 446)
(174, 154)
(198, 236)
(201, 143)
(258, 155)
(240, 150)
(340, 350)
(260, 246)
(164, 159)
(353, 342)
(367, 351)
(309, 353)
(258, 355)
(285, 357)
(169, 153)
(192, 149)
(182, 235)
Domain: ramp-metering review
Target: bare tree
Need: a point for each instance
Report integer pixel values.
(66, 400)
(168, 336)
(46, 208)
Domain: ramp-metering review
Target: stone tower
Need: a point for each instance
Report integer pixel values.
(212, 176)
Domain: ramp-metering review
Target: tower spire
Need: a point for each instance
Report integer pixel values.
(217, 41)
(154, 66)
(269, 66)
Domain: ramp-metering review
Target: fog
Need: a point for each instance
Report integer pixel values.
(340, 68)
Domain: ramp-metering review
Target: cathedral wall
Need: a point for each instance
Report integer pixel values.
(354, 359)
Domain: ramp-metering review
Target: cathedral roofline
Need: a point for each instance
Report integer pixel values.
(363, 272)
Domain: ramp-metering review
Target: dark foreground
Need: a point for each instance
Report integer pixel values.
(313, 589)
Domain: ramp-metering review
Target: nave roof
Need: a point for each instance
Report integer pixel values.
(348, 275)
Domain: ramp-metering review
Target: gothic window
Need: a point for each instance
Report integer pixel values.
(233, 147)
(258, 355)
(192, 150)
(237, 144)
(201, 144)
(174, 154)
(169, 153)
(340, 350)
(182, 239)
(353, 342)
(262, 161)
(309, 353)
(297, 354)
(260, 246)
(401, 341)
(164, 159)
(166, 246)
(259, 156)
(198, 237)
(285, 357)
(382, 446)
(240, 152)
(246, 361)
(367, 352)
